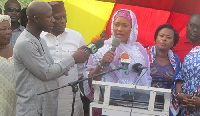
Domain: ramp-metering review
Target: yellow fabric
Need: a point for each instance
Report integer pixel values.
(7, 88)
(89, 17)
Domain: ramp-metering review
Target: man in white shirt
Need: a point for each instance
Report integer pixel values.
(63, 41)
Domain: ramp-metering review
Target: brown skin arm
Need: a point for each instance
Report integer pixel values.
(188, 101)
(80, 56)
(108, 57)
(192, 103)
(178, 86)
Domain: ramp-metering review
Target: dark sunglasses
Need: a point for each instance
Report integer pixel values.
(13, 9)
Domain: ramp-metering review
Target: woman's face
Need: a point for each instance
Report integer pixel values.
(5, 33)
(122, 29)
(165, 39)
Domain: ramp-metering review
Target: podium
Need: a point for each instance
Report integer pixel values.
(129, 107)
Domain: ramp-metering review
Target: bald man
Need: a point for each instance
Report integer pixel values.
(13, 9)
(35, 69)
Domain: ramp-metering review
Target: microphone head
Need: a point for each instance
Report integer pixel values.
(99, 43)
(136, 67)
(93, 47)
(95, 38)
(116, 42)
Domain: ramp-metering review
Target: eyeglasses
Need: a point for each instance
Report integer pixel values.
(193, 26)
(13, 9)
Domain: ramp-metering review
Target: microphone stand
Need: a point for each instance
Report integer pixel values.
(137, 79)
(75, 86)
(135, 83)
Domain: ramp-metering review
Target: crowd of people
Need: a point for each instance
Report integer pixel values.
(39, 54)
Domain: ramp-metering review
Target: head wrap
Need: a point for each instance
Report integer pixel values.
(5, 18)
(57, 6)
(125, 14)
(134, 26)
(135, 51)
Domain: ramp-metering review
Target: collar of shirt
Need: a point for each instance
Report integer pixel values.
(50, 34)
(189, 42)
(20, 28)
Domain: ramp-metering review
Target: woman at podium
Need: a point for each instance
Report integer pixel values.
(124, 27)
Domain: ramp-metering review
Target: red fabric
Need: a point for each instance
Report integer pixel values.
(184, 47)
(180, 6)
(148, 21)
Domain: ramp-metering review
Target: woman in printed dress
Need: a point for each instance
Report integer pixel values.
(164, 63)
(7, 79)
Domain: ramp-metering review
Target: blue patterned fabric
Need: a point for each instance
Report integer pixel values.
(191, 76)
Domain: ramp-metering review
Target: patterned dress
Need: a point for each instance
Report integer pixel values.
(161, 78)
(161, 75)
(191, 76)
(7, 88)
(174, 64)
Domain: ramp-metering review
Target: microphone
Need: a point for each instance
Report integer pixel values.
(138, 68)
(93, 46)
(95, 38)
(125, 61)
(115, 43)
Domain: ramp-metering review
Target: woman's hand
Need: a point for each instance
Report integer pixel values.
(108, 57)
(193, 103)
(189, 101)
(183, 98)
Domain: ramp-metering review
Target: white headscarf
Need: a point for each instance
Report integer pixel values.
(5, 18)
(136, 52)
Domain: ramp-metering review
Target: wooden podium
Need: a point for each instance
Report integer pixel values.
(137, 108)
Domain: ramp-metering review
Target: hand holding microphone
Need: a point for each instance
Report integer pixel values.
(82, 54)
(107, 58)
(94, 45)
(115, 43)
